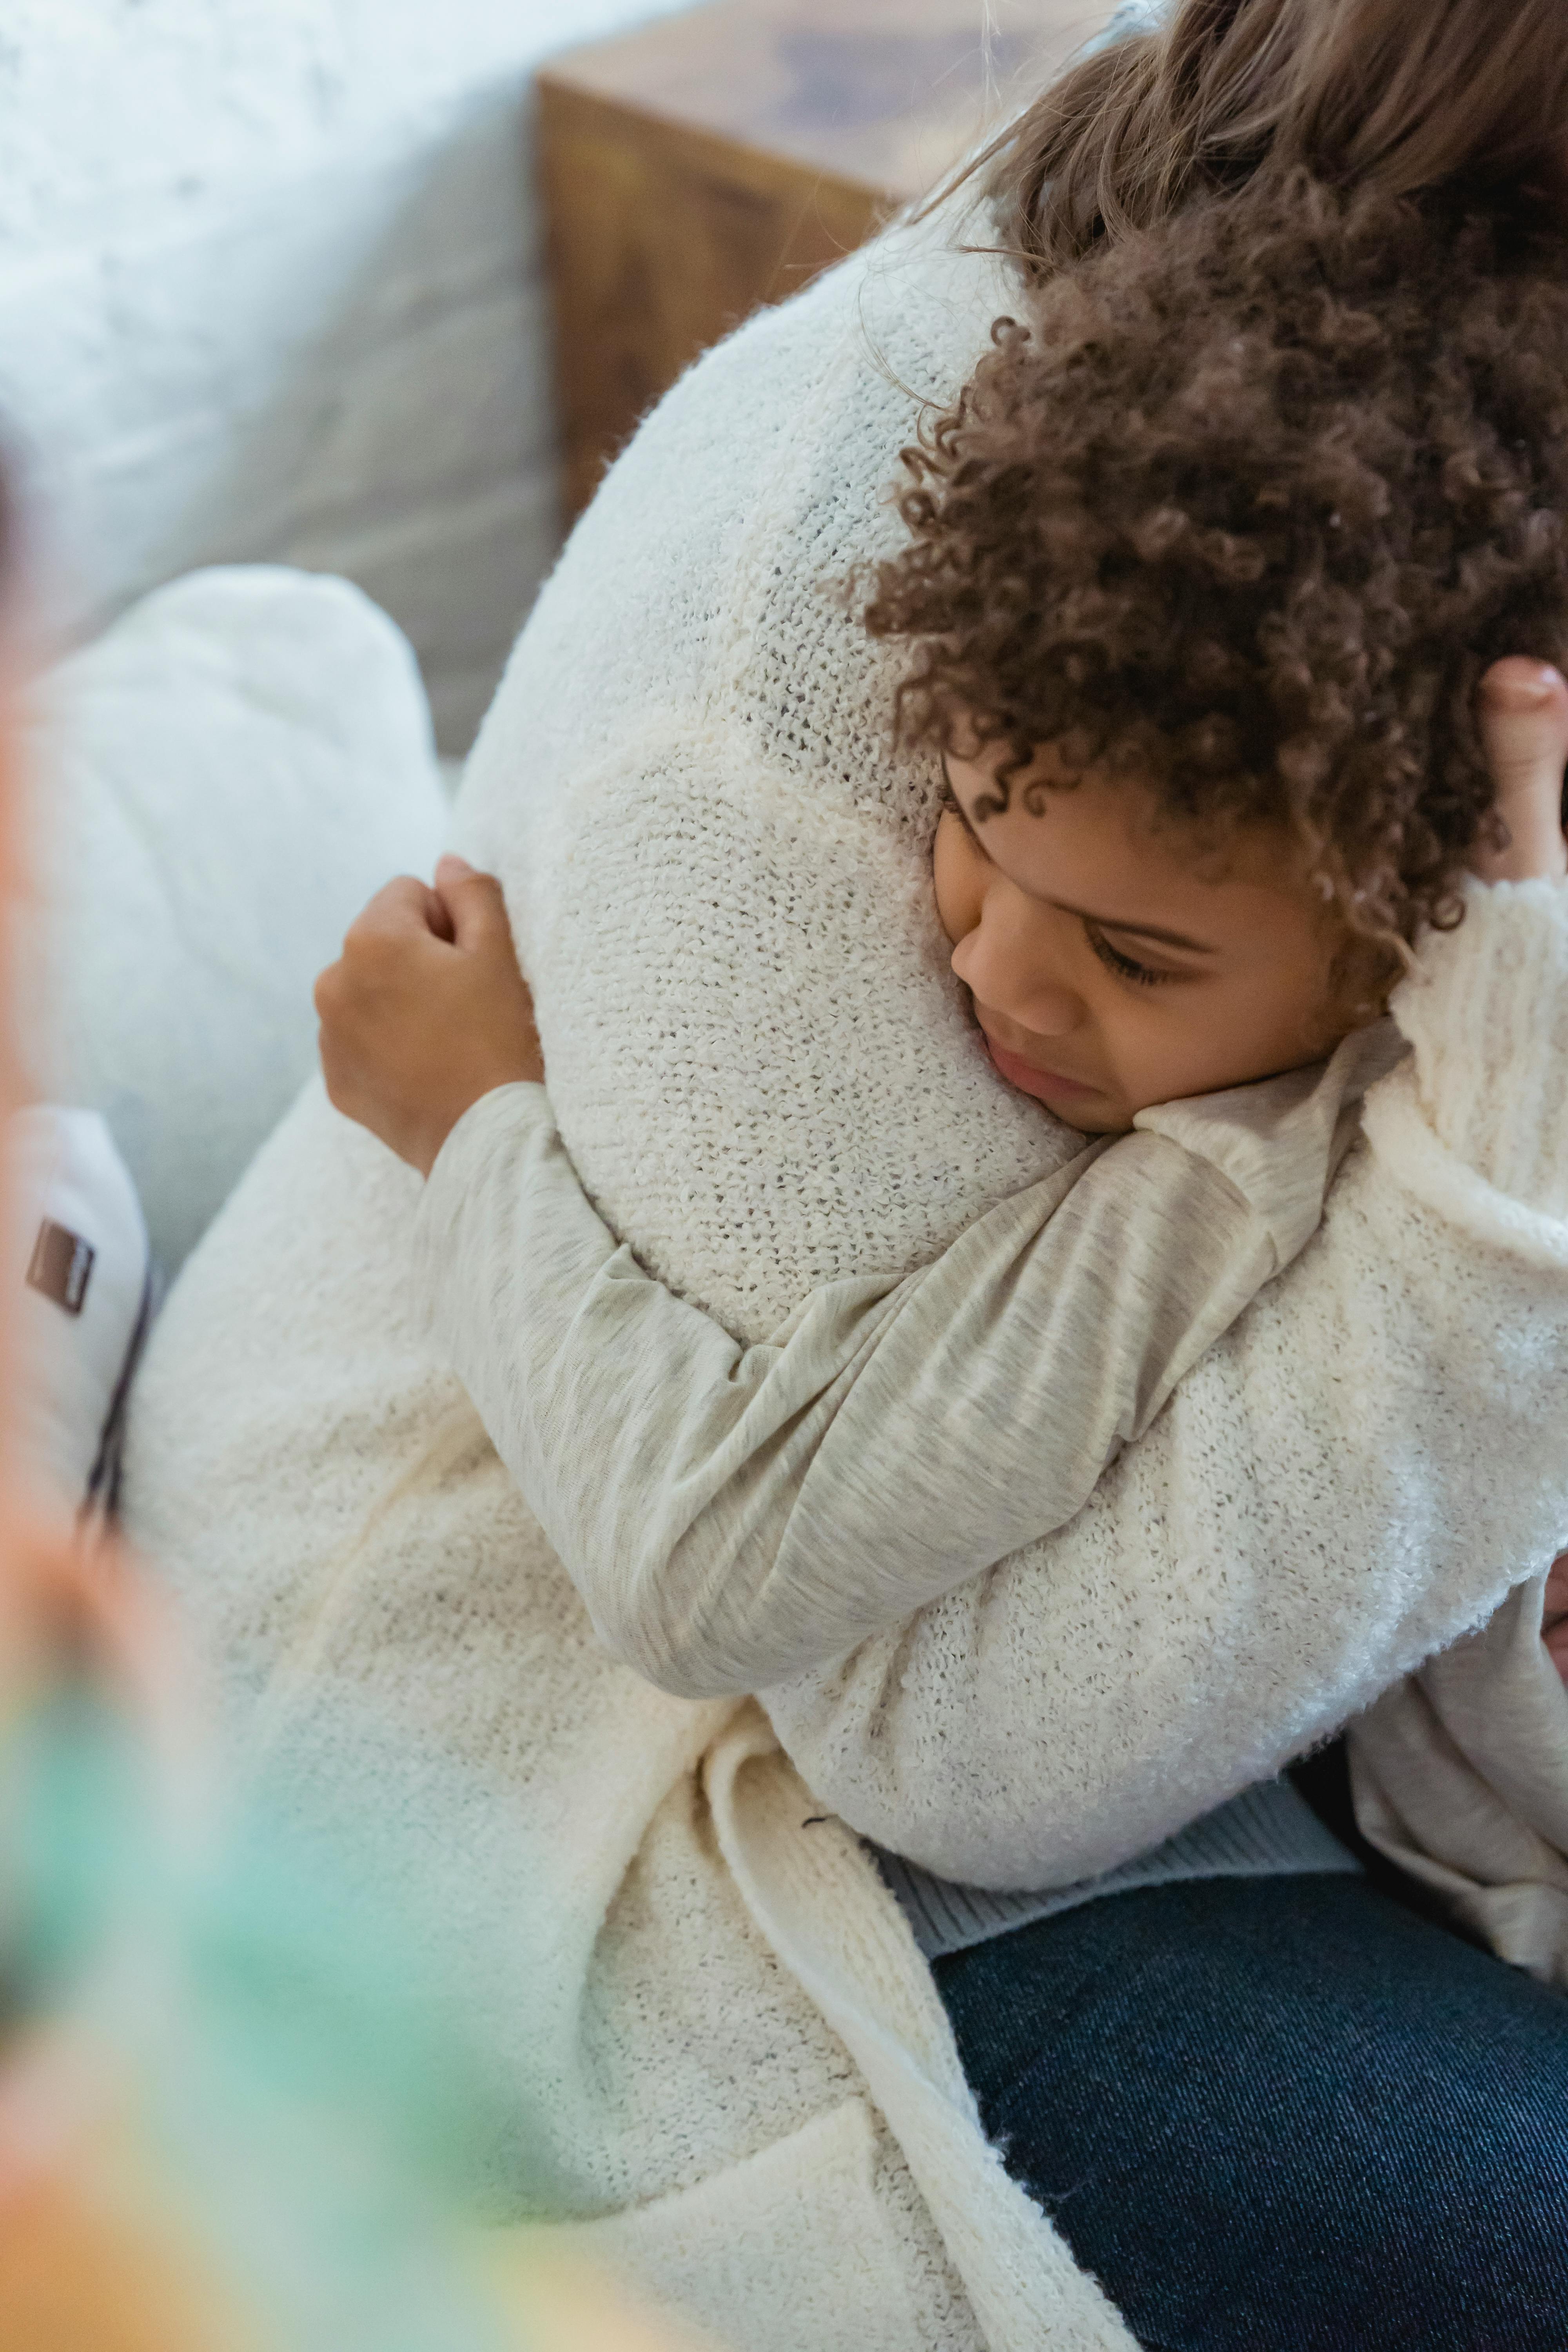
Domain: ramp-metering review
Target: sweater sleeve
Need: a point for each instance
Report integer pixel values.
(735, 1514)
(1353, 1477)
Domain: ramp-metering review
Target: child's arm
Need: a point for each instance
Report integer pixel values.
(733, 1516)
(1354, 1476)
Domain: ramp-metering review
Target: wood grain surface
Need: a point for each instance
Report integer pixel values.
(719, 158)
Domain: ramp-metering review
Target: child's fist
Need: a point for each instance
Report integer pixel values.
(426, 1010)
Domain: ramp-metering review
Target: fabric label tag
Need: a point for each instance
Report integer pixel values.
(62, 1263)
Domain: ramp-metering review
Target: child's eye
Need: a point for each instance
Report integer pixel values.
(951, 806)
(1141, 974)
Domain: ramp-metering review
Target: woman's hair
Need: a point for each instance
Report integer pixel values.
(1246, 509)
(1402, 95)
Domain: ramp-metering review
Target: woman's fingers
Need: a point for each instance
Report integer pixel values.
(1524, 718)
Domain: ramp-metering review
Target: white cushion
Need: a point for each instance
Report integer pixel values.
(77, 1291)
(224, 779)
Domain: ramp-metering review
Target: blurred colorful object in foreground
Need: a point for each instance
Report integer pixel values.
(233, 2118)
(230, 2057)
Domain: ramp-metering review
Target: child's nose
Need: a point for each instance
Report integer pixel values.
(1011, 975)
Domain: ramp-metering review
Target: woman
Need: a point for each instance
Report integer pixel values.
(1228, 82)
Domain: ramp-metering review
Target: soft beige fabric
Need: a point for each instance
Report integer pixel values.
(734, 1515)
(1461, 1775)
(681, 1973)
(717, 868)
(608, 1877)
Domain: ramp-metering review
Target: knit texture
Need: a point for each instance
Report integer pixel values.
(1489, 1087)
(1460, 1776)
(692, 1986)
(717, 864)
(1266, 1833)
(732, 1514)
(407, 1652)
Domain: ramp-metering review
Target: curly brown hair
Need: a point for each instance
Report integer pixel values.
(1246, 509)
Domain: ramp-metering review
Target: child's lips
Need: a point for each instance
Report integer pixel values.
(1046, 1085)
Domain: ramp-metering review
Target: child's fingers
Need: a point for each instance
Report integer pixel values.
(1522, 711)
(475, 904)
(388, 942)
(1532, 691)
(405, 908)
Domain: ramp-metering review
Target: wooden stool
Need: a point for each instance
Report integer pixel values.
(719, 158)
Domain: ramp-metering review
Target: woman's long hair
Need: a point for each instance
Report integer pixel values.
(1406, 94)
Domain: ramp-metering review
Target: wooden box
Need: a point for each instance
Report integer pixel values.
(717, 159)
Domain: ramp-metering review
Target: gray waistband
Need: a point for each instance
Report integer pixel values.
(1268, 1831)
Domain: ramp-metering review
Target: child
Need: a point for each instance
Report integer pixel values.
(1204, 569)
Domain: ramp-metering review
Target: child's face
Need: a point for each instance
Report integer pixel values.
(1110, 965)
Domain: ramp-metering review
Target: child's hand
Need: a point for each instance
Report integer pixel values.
(1525, 726)
(425, 1011)
(1524, 718)
(1555, 1616)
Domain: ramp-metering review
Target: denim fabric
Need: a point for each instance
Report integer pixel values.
(1282, 2115)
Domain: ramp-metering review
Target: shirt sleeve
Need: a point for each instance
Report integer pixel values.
(735, 1514)
(1354, 1476)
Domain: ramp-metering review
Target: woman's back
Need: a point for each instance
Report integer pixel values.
(716, 860)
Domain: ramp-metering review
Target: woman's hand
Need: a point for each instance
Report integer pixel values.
(426, 1010)
(1524, 719)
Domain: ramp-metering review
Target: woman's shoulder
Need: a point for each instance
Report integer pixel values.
(843, 367)
(762, 476)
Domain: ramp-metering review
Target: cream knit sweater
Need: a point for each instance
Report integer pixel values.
(705, 2006)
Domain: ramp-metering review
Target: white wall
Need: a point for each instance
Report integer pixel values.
(268, 288)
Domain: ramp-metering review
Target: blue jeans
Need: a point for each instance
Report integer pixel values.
(1281, 2116)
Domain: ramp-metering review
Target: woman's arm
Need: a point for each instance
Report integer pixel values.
(1355, 1475)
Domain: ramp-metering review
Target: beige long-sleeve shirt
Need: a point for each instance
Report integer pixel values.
(734, 1514)
(848, 1516)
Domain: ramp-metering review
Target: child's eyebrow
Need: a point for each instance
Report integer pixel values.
(1101, 922)
(1143, 930)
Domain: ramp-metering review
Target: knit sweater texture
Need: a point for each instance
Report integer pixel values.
(731, 1515)
(723, 2050)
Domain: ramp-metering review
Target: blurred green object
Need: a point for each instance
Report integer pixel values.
(298, 2080)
